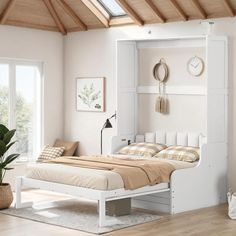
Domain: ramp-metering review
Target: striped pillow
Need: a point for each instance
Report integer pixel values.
(180, 153)
(49, 153)
(142, 149)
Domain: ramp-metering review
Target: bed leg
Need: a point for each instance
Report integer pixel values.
(18, 192)
(102, 211)
(19, 203)
(103, 219)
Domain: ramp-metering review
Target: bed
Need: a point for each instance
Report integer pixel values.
(85, 177)
(97, 184)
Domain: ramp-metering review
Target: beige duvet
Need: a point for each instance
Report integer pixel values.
(99, 179)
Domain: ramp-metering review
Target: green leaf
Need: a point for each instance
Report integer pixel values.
(3, 129)
(2, 148)
(8, 136)
(8, 160)
(9, 145)
(7, 168)
(11, 158)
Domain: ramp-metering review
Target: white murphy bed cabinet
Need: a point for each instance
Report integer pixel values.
(206, 184)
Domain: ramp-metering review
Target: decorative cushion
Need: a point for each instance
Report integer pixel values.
(70, 147)
(142, 149)
(49, 153)
(180, 153)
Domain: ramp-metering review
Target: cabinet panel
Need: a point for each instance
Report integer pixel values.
(216, 64)
(216, 118)
(217, 97)
(126, 114)
(126, 65)
(126, 88)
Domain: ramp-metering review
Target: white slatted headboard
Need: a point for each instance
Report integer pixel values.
(173, 138)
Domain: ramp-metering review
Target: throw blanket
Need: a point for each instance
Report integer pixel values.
(135, 173)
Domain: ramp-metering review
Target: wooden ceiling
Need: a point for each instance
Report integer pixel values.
(80, 15)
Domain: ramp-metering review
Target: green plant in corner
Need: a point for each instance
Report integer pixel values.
(6, 136)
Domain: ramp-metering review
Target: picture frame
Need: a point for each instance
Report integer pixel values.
(90, 94)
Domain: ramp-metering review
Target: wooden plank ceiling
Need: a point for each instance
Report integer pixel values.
(79, 15)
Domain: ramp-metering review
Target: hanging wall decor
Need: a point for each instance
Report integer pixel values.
(160, 73)
(90, 94)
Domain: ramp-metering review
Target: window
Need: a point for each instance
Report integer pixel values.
(20, 105)
(4, 94)
(112, 7)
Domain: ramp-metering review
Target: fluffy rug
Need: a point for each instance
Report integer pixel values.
(78, 215)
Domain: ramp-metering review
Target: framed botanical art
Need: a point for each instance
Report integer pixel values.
(90, 94)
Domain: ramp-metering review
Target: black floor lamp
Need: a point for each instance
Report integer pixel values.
(106, 125)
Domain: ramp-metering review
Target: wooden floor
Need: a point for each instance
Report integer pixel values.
(208, 221)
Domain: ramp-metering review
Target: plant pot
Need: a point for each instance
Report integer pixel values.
(6, 196)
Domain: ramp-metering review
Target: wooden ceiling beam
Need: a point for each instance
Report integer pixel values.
(200, 10)
(7, 11)
(128, 9)
(155, 10)
(228, 7)
(179, 10)
(96, 12)
(72, 14)
(55, 16)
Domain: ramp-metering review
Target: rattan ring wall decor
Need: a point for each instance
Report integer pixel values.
(161, 73)
(161, 65)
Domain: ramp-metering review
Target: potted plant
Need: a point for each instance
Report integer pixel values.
(6, 135)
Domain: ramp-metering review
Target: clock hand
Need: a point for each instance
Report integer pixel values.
(196, 65)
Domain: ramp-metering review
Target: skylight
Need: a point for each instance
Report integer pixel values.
(112, 7)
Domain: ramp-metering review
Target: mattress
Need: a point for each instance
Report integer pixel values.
(85, 177)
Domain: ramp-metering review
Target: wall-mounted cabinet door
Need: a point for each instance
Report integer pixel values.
(217, 89)
(126, 88)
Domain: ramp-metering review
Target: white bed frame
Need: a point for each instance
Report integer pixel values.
(197, 189)
(193, 188)
(101, 196)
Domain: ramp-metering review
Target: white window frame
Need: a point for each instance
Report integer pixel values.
(110, 11)
(12, 63)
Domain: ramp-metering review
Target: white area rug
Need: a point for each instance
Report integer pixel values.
(78, 215)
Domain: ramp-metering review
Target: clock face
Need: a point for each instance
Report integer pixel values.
(195, 66)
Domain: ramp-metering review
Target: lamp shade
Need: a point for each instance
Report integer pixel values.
(108, 124)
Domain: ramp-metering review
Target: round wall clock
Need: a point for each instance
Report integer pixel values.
(195, 66)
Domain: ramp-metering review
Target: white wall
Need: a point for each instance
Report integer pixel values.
(186, 113)
(92, 53)
(176, 60)
(180, 106)
(46, 47)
